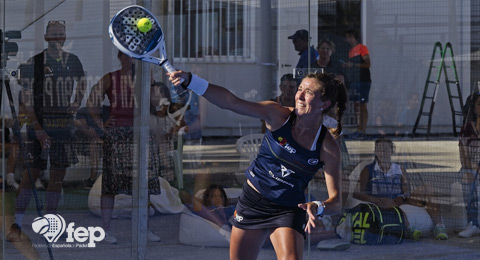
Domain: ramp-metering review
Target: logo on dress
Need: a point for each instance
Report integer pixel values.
(238, 218)
(286, 172)
(312, 161)
(283, 142)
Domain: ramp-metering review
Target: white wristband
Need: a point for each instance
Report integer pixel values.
(320, 208)
(198, 85)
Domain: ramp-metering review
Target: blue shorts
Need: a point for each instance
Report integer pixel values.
(253, 211)
(360, 91)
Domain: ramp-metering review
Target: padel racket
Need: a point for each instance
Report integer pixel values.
(125, 33)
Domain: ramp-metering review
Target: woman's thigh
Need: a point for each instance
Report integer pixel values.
(245, 244)
(288, 243)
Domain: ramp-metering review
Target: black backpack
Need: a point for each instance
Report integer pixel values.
(371, 225)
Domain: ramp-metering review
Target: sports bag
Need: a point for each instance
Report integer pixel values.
(371, 225)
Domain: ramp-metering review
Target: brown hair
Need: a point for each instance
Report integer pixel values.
(329, 43)
(334, 90)
(385, 141)
(208, 192)
(354, 33)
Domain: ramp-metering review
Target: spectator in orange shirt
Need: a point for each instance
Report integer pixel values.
(357, 70)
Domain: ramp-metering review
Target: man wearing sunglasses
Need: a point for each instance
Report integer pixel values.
(48, 83)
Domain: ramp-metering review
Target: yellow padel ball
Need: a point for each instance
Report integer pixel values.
(144, 25)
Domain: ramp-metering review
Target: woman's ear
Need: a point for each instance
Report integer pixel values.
(326, 104)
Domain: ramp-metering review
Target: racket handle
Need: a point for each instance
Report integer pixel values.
(168, 67)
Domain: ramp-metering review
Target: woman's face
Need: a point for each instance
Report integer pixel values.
(288, 88)
(325, 51)
(216, 198)
(307, 99)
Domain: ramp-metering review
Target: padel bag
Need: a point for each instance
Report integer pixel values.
(372, 225)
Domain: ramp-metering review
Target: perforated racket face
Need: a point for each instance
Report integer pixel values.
(126, 36)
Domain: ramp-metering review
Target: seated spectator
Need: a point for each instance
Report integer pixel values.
(469, 145)
(384, 183)
(213, 206)
(288, 89)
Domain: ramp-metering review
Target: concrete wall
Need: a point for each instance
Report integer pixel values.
(400, 36)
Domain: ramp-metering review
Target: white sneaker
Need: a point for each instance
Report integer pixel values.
(336, 244)
(152, 237)
(11, 181)
(39, 185)
(470, 231)
(110, 238)
(344, 229)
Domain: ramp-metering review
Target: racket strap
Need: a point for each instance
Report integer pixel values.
(177, 116)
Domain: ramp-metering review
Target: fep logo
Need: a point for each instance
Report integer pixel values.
(52, 226)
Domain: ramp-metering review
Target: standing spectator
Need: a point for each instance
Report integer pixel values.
(90, 143)
(308, 54)
(357, 70)
(469, 145)
(21, 241)
(11, 153)
(48, 84)
(162, 127)
(118, 141)
(326, 48)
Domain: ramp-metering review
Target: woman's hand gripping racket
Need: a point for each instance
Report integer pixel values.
(137, 33)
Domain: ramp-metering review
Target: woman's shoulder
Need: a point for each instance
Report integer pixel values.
(280, 115)
(330, 146)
